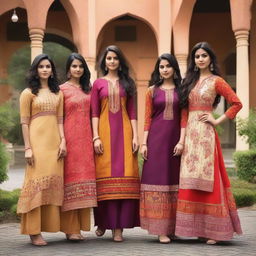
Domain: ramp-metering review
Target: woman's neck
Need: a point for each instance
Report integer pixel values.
(74, 81)
(112, 75)
(205, 72)
(44, 83)
(168, 83)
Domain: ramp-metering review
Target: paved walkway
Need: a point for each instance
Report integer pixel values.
(137, 243)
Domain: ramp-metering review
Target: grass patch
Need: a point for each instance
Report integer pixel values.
(243, 191)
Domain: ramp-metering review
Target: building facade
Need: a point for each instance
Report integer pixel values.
(143, 29)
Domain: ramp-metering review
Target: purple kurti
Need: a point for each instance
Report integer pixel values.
(160, 176)
(117, 168)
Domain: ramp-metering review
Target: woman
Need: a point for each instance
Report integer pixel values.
(41, 111)
(115, 143)
(79, 168)
(206, 207)
(162, 144)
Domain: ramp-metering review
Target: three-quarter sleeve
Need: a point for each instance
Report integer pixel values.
(148, 109)
(60, 109)
(95, 101)
(184, 118)
(26, 98)
(224, 89)
(131, 107)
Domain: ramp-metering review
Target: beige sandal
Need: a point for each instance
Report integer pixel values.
(164, 239)
(211, 242)
(37, 240)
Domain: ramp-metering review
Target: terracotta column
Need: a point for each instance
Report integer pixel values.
(242, 79)
(91, 59)
(182, 13)
(36, 36)
(165, 32)
(182, 60)
(241, 16)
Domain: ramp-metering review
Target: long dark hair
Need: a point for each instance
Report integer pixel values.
(123, 71)
(156, 80)
(33, 79)
(85, 78)
(193, 74)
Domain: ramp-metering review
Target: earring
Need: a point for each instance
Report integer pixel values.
(106, 69)
(175, 75)
(51, 75)
(161, 78)
(196, 68)
(68, 75)
(120, 68)
(211, 67)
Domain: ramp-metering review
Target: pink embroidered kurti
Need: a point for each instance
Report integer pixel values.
(206, 207)
(79, 168)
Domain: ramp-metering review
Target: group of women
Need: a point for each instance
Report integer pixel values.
(81, 147)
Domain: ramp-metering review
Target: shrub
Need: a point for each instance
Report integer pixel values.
(8, 199)
(244, 197)
(245, 162)
(247, 128)
(4, 158)
(10, 127)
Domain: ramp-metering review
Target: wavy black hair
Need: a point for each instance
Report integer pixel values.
(33, 79)
(85, 78)
(123, 72)
(155, 76)
(192, 74)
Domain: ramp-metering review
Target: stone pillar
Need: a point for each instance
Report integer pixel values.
(36, 36)
(91, 62)
(182, 60)
(242, 79)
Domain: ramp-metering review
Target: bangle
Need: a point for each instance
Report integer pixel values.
(27, 148)
(144, 144)
(95, 138)
(181, 143)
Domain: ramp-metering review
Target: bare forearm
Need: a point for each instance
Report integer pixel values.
(221, 119)
(134, 128)
(182, 135)
(95, 125)
(145, 138)
(25, 133)
(61, 131)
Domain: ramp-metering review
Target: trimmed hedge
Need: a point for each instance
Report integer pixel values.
(245, 162)
(8, 205)
(4, 159)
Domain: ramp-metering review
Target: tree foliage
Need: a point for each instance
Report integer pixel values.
(20, 63)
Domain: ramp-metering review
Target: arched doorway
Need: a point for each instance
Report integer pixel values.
(211, 22)
(139, 45)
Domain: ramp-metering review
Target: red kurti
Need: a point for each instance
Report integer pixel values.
(79, 168)
(206, 207)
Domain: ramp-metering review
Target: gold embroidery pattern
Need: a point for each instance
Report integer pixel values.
(42, 191)
(168, 111)
(113, 96)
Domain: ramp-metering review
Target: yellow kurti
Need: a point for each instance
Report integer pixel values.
(43, 184)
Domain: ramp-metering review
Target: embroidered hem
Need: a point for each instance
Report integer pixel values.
(197, 184)
(79, 195)
(158, 211)
(118, 188)
(46, 190)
